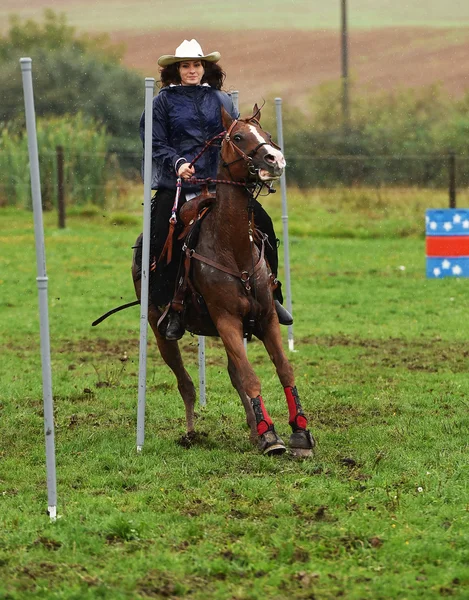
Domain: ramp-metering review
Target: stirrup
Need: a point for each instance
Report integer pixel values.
(284, 317)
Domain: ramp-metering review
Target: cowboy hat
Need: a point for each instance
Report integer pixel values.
(188, 50)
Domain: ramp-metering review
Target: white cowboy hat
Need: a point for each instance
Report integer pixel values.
(188, 50)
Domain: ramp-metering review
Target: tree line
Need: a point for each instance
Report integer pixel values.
(87, 97)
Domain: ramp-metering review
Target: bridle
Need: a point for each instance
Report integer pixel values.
(248, 158)
(226, 136)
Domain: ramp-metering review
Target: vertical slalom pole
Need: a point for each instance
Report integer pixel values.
(235, 98)
(286, 244)
(147, 179)
(202, 395)
(42, 280)
(201, 338)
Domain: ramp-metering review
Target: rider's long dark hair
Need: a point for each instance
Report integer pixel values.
(214, 75)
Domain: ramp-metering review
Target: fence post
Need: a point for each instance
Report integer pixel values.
(452, 179)
(60, 186)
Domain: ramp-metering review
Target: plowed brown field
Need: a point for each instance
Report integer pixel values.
(291, 63)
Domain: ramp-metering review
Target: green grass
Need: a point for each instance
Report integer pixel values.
(380, 512)
(114, 15)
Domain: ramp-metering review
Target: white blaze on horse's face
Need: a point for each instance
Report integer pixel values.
(273, 158)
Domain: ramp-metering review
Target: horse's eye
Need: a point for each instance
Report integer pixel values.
(237, 138)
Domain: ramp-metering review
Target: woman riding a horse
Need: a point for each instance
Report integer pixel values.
(186, 114)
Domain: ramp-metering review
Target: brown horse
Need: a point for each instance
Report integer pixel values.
(229, 271)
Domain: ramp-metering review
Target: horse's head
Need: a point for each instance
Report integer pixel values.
(248, 151)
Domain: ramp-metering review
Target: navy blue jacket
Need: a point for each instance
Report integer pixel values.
(184, 118)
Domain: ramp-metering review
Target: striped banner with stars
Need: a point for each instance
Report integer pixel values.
(447, 242)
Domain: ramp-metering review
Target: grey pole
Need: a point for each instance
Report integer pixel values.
(201, 338)
(202, 395)
(235, 98)
(147, 177)
(345, 78)
(286, 244)
(42, 280)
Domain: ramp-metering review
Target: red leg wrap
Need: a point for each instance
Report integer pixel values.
(263, 420)
(297, 418)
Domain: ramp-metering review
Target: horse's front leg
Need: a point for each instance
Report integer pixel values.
(301, 441)
(247, 383)
(238, 385)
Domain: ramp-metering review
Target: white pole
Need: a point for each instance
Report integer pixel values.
(201, 338)
(286, 244)
(41, 279)
(202, 395)
(147, 177)
(235, 98)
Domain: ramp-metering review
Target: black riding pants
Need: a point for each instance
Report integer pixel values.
(163, 276)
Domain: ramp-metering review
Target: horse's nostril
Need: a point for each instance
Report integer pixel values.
(270, 158)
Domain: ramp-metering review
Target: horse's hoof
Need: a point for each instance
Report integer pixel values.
(301, 443)
(271, 444)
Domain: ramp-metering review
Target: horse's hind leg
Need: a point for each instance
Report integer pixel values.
(237, 384)
(170, 353)
(301, 441)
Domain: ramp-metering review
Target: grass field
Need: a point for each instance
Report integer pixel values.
(380, 512)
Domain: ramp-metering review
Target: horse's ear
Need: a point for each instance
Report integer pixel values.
(256, 113)
(226, 118)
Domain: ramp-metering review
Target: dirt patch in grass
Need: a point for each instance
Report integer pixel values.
(430, 355)
(382, 59)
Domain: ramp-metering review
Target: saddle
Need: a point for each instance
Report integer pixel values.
(191, 214)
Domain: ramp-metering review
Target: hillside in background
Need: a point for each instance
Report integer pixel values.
(285, 48)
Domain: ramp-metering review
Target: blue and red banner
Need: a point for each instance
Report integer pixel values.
(447, 242)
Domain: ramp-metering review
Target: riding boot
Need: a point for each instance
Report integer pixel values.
(284, 317)
(175, 329)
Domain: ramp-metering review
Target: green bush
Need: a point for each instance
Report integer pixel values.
(399, 138)
(71, 74)
(86, 168)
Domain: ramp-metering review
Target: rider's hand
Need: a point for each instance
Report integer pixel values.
(185, 171)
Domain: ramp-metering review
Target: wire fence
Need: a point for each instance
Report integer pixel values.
(445, 171)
